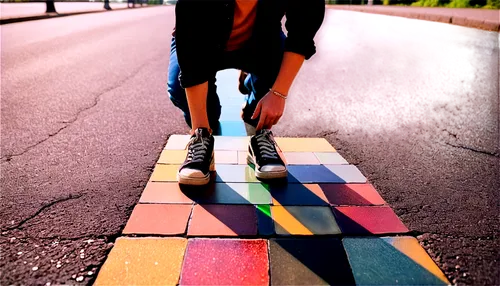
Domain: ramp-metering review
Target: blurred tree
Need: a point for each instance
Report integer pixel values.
(51, 8)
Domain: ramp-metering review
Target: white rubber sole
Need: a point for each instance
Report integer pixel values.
(266, 175)
(197, 181)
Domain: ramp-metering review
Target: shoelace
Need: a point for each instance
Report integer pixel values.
(197, 149)
(266, 143)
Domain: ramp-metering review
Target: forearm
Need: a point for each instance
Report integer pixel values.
(290, 66)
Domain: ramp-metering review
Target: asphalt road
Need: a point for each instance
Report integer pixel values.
(84, 116)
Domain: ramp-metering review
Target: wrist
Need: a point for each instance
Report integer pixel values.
(278, 94)
(280, 88)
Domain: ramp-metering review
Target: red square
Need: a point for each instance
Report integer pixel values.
(158, 219)
(223, 220)
(225, 262)
(352, 194)
(368, 220)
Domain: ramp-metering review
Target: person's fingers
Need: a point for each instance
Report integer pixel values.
(276, 120)
(262, 122)
(257, 110)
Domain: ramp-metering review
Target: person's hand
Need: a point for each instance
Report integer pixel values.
(270, 108)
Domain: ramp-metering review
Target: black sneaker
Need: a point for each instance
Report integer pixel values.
(199, 160)
(262, 153)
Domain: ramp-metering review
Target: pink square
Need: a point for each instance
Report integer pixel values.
(225, 262)
(368, 220)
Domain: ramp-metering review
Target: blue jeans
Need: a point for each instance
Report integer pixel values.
(262, 70)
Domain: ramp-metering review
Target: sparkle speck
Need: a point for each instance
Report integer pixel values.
(90, 273)
(34, 268)
(156, 263)
(19, 253)
(79, 279)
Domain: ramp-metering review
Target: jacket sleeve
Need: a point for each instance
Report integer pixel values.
(193, 45)
(303, 20)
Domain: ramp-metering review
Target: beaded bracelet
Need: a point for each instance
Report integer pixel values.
(278, 94)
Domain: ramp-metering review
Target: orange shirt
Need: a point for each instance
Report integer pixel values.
(244, 18)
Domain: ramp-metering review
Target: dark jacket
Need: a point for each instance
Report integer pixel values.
(203, 28)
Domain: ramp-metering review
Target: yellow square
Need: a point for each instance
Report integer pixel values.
(172, 157)
(304, 145)
(165, 173)
(143, 261)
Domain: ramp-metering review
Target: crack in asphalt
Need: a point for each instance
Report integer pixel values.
(8, 158)
(40, 210)
(494, 154)
(460, 146)
(106, 237)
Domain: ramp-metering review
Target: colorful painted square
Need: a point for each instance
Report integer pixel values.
(177, 142)
(242, 157)
(347, 173)
(172, 157)
(226, 157)
(311, 174)
(231, 143)
(331, 158)
(390, 261)
(265, 224)
(309, 262)
(304, 145)
(165, 173)
(143, 261)
(235, 174)
(301, 158)
(158, 219)
(226, 262)
(231, 128)
(368, 220)
(352, 194)
(304, 220)
(233, 193)
(223, 220)
(164, 193)
(298, 195)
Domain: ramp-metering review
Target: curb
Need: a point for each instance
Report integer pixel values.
(56, 15)
(455, 20)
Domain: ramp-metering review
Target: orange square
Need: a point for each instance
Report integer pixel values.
(164, 193)
(143, 261)
(158, 219)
